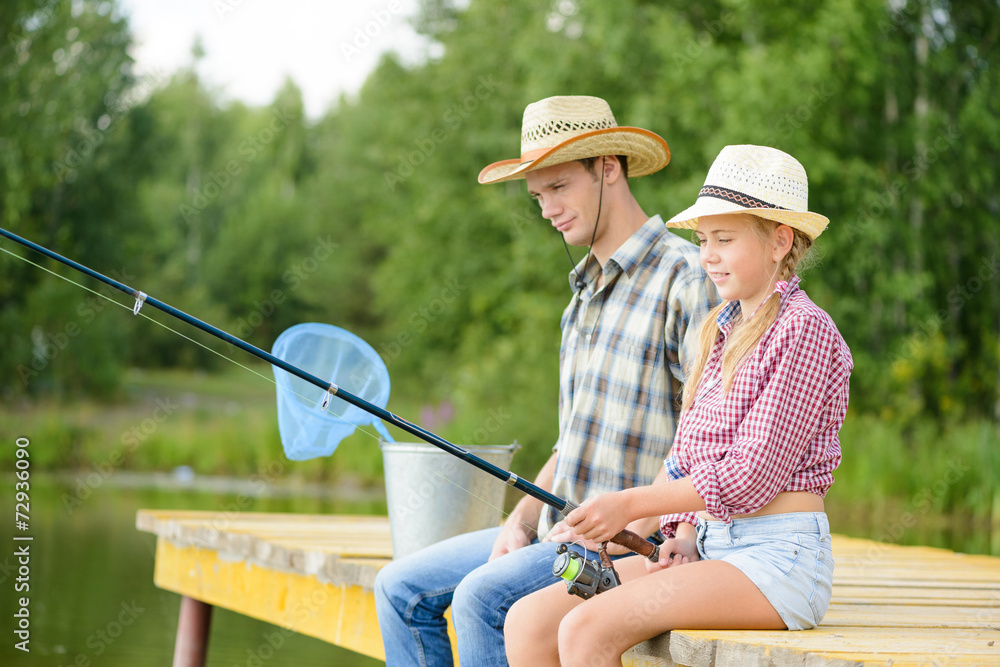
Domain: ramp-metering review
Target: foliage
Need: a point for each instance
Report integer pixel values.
(370, 218)
(926, 468)
(65, 139)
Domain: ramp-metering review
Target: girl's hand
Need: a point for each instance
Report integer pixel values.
(600, 518)
(676, 551)
(563, 533)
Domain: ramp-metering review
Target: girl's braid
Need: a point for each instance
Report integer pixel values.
(800, 244)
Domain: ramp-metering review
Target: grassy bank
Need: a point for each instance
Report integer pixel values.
(925, 466)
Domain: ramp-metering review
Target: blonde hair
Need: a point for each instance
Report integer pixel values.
(747, 333)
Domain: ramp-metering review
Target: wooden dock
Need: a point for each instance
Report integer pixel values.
(891, 605)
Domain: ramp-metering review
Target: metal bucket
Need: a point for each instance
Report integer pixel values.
(433, 495)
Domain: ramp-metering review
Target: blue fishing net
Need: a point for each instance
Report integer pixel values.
(338, 356)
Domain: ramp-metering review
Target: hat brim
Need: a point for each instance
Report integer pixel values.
(646, 151)
(811, 224)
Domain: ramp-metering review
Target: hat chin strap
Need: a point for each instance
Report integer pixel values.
(580, 282)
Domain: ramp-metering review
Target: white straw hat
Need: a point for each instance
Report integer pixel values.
(571, 127)
(758, 180)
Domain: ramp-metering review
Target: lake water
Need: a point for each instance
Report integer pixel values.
(92, 598)
(93, 602)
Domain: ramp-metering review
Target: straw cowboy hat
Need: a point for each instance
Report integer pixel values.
(566, 128)
(758, 180)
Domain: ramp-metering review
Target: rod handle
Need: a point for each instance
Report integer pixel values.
(633, 542)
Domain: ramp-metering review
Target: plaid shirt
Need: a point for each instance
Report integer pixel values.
(776, 429)
(620, 364)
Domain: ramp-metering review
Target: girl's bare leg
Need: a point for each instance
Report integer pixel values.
(700, 595)
(531, 629)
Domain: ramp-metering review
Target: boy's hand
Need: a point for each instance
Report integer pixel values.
(514, 536)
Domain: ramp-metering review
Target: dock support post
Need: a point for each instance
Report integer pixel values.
(191, 647)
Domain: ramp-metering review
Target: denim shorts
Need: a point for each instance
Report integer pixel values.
(787, 556)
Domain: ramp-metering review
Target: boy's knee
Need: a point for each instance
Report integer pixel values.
(476, 595)
(387, 583)
(466, 598)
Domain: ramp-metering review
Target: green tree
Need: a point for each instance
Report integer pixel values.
(64, 136)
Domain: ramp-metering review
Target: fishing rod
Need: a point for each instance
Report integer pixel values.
(573, 568)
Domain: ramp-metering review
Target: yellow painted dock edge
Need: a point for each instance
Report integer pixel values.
(892, 605)
(343, 615)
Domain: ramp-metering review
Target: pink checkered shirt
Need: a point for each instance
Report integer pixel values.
(776, 429)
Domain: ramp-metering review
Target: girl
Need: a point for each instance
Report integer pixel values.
(742, 495)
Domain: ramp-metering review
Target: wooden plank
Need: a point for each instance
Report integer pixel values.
(161, 523)
(923, 572)
(208, 528)
(877, 590)
(834, 659)
(903, 556)
(990, 586)
(149, 519)
(918, 568)
(916, 601)
(300, 543)
(889, 616)
(833, 645)
(651, 653)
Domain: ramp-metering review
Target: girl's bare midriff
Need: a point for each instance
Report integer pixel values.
(783, 503)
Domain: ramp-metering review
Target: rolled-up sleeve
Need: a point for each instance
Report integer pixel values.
(668, 522)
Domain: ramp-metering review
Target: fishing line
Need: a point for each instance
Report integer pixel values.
(247, 368)
(182, 335)
(625, 538)
(586, 552)
(260, 375)
(481, 499)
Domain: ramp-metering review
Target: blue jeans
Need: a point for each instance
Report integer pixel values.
(412, 594)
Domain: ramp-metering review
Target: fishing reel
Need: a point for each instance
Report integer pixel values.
(585, 578)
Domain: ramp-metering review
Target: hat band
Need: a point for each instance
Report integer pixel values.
(738, 198)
